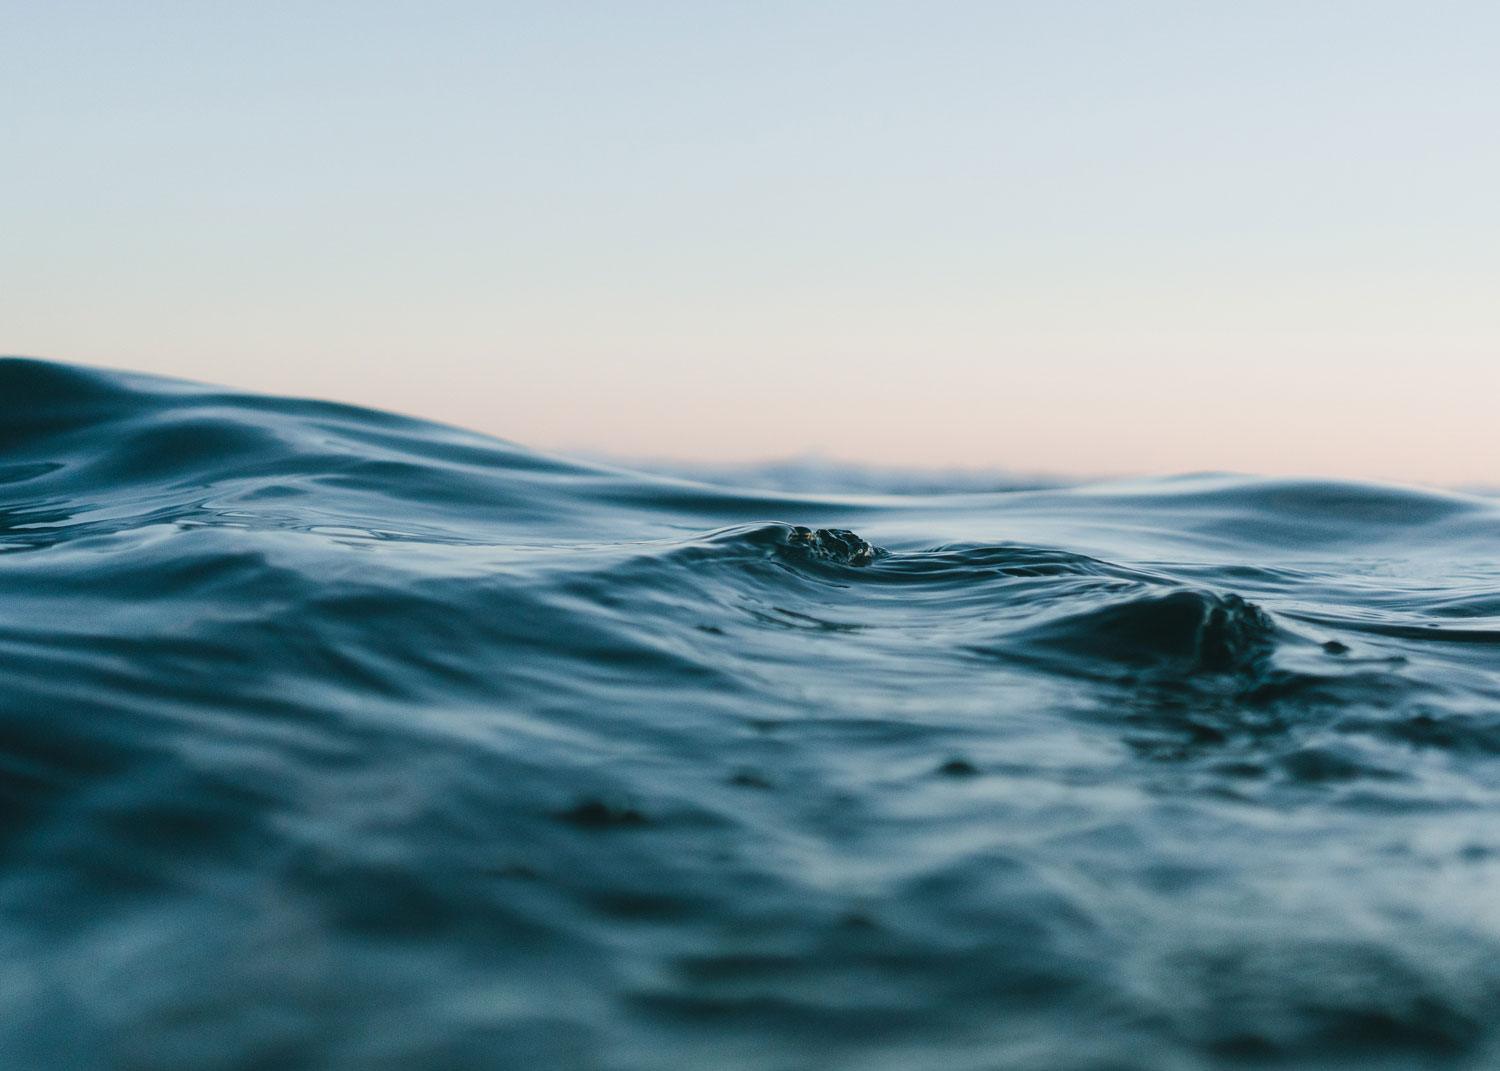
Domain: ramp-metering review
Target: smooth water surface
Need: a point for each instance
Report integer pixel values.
(333, 739)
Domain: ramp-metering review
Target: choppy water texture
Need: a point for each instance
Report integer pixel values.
(332, 739)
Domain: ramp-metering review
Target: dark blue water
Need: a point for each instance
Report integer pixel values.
(332, 739)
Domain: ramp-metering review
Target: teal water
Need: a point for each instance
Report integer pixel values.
(334, 739)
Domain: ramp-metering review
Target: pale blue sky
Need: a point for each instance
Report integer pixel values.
(1077, 237)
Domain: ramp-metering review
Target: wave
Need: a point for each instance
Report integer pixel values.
(334, 738)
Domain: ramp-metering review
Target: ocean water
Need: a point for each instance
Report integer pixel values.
(334, 739)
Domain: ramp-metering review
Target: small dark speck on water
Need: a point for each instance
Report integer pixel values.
(958, 768)
(596, 814)
(749, 779)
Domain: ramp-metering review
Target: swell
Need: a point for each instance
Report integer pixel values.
(74, 437)
(334, 738)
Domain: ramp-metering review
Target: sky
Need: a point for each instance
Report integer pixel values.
(1068, 237)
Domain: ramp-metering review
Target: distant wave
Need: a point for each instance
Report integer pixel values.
(336, 739)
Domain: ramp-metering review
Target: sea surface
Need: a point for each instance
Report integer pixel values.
(336, 739)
